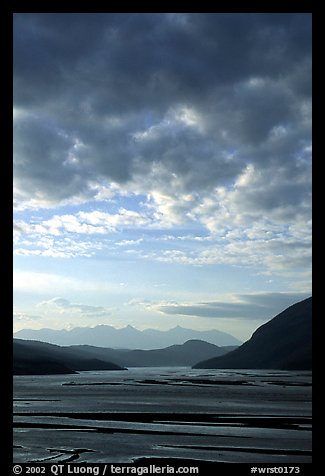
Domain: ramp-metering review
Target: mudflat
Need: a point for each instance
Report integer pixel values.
(157, 413)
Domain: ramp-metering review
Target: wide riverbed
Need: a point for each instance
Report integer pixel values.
(251, 416)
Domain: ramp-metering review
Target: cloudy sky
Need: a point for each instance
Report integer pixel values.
(162, 169)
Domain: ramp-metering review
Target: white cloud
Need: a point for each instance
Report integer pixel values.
(65, 223)
(123, 218)
(237, 232)
(129, 242)
(65, 247)
(23, 318)
(65, 307)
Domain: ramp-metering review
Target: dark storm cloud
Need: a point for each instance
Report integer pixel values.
(40, 144)
(86, 86)
(150, 54)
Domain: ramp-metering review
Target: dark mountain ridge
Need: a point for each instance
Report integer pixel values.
(175, 355)
(34, 358)
(84, 357)
(284, 343)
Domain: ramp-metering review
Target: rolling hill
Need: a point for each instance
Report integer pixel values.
(176, 355)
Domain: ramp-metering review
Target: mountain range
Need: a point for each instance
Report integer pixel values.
(127, 338)
(284, 343)
(31, 357)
